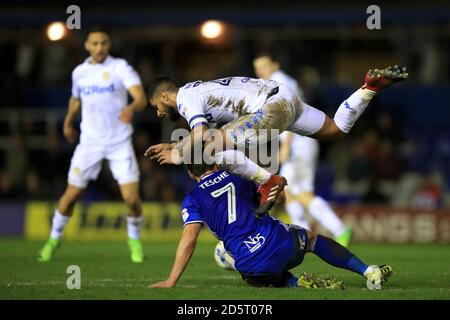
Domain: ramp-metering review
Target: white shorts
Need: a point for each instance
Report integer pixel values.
(300, 170)
(283, 111)
(87, 161)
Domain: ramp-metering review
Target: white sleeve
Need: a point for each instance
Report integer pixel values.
(128, 75)
(300, 92)
(75, 88)
(190, 107)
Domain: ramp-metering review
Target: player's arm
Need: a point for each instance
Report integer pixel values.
(174, 153)
(183, 255)
(139, 100)
(196, 138)
(72, 112)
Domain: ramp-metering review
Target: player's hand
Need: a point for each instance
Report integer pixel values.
(126, 115)
(70, 133)
(162, 284)
(157, 148)
(169, 157)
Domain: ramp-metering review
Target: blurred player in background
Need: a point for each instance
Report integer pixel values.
(264, 250)
(299, 156)
(100, 87)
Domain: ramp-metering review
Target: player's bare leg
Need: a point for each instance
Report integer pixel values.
(68, 200)
(130, 195)
(352, 108)
(60, 219)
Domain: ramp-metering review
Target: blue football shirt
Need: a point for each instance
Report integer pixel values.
(224, 203)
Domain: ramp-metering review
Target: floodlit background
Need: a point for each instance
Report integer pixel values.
(397, 156)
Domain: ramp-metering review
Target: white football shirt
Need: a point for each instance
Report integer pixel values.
(102, 88)
(222, 100)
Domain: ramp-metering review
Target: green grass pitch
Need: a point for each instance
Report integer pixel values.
(421, 272)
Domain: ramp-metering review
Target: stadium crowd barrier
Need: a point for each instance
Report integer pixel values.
(162, 221)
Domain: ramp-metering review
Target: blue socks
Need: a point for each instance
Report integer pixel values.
(288, 280)
(333, 253)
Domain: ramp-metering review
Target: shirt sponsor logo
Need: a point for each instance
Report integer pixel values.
(95, 89)
(254, 243)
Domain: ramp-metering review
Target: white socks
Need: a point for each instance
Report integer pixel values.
(297, 214)
(351, 109)
(323, 213)
(58, 223)
(238, 163)
(134, 225)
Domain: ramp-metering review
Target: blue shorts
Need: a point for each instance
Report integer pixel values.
(275, 270)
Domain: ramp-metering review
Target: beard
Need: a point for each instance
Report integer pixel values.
(173, 114)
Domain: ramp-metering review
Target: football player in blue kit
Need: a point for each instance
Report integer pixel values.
(264, 249)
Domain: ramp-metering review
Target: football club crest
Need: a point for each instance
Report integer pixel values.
(76, 171)
(106, 75)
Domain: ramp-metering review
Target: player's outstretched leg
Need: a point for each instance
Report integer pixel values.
(333, 253)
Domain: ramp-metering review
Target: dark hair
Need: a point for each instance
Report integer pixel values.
(267, 53)
(199, 169)
(96, 28)
(161, 84)
(194, 160)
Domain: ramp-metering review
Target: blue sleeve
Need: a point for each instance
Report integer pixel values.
(190, 211)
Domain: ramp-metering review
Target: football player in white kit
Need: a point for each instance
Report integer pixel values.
(252, 109)
(298, 157)
(100, 87)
